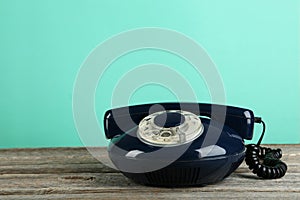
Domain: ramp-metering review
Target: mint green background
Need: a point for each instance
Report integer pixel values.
(255, 45)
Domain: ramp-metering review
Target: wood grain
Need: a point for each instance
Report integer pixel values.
(72, 173)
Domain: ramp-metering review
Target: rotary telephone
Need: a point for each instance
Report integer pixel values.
(186, 144)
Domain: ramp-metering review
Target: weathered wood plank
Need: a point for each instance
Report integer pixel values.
(89, 168)
(44, 156)
(115, 182)
(55, 168)
(160, 195)
(72, 173)
(48, 155)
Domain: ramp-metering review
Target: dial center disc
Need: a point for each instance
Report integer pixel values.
(169, 119)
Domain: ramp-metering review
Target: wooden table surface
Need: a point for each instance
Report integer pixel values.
(72, 173)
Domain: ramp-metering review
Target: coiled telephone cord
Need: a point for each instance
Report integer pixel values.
(265, 162)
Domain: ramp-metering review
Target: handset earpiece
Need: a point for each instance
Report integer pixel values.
(118, 122)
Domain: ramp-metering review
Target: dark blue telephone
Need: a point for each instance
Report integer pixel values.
(184, 144)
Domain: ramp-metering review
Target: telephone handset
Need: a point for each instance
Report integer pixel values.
(239, 119)
(142, 130)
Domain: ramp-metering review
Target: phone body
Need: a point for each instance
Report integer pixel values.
(210, 157)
